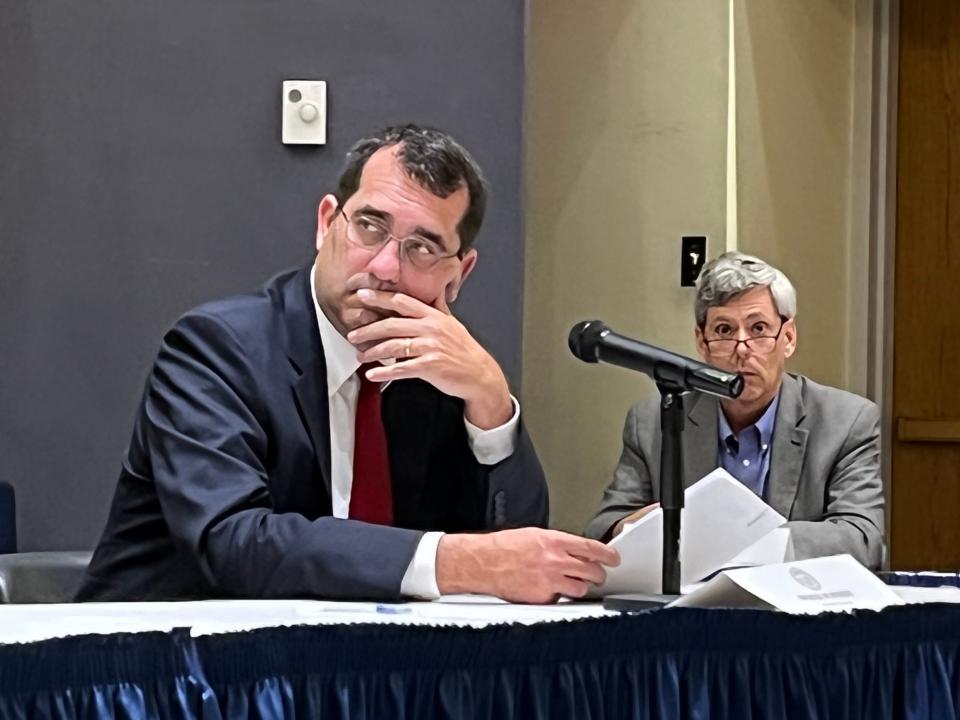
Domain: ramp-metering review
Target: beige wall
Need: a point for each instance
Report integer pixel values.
(626, 151)
(803, 168)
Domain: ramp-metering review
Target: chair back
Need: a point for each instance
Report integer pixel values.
(42, 577)
(8, 518)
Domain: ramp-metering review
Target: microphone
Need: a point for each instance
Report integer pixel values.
(592, 341)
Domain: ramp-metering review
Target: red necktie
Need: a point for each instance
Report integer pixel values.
(371, 496)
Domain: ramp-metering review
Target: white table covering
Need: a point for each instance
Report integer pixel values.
(32, 623)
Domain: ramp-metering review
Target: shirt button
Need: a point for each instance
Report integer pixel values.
(746, 463)
(764, 446)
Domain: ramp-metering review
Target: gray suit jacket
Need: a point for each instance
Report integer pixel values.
(824, 471)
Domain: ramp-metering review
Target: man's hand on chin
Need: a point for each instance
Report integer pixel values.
(357, 314)
(431, 344)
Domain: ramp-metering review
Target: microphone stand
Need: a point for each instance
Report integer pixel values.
(675, 376)
(671, 484)
(671, 503)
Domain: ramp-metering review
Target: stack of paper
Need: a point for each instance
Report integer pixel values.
(721, 519)
(805, 587)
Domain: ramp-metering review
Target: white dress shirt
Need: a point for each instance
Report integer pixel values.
(343, 386)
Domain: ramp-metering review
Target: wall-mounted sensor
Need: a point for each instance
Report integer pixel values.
(304, 112)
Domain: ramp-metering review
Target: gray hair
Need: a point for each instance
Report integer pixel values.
(733, 273)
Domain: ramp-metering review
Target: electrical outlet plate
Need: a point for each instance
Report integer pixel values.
(304, 112)
(693, 256)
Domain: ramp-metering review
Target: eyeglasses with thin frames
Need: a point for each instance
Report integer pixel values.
(762, 344)
(370, 233)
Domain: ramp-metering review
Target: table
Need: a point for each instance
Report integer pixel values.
(576, 662)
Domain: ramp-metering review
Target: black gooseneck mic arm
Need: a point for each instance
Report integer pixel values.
(675, 375)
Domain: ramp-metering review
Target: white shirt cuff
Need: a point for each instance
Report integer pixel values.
(491, 446)
(420, 579)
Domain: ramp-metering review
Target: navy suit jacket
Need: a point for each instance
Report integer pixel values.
(225, 488)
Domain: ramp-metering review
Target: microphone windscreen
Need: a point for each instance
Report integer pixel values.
(583, 339)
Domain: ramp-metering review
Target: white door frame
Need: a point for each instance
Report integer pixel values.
(881, 234)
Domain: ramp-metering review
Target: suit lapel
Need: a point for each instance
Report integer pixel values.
(789, 448)
(306, 358)
(699, 438)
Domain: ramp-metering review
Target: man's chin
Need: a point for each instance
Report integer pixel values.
(752, 389)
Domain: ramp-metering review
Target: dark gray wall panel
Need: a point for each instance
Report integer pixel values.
(141, 172)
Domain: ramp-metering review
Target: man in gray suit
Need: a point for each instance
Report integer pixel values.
(812, 452)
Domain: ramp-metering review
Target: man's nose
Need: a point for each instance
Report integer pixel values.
(385, 264)
(742, 350)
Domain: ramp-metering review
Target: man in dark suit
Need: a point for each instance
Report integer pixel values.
(811, 451)
(339, 433)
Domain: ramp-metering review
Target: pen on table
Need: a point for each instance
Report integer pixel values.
(380, 608)
(392, 609)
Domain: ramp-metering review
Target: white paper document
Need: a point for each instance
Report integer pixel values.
(913, 595)
(804, 587)
(774, 547)
(721, 518)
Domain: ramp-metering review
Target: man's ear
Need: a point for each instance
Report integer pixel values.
(326, 212)
(790, 335)
(702, 349)
(467, 264)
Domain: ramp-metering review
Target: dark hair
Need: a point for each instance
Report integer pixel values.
(434, 160)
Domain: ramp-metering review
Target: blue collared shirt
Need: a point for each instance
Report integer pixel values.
(746, 456)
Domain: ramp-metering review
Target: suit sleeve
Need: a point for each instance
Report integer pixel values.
(517, 489)
(209, 436)
(854, 506)
(631, 488)
(508, 494)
